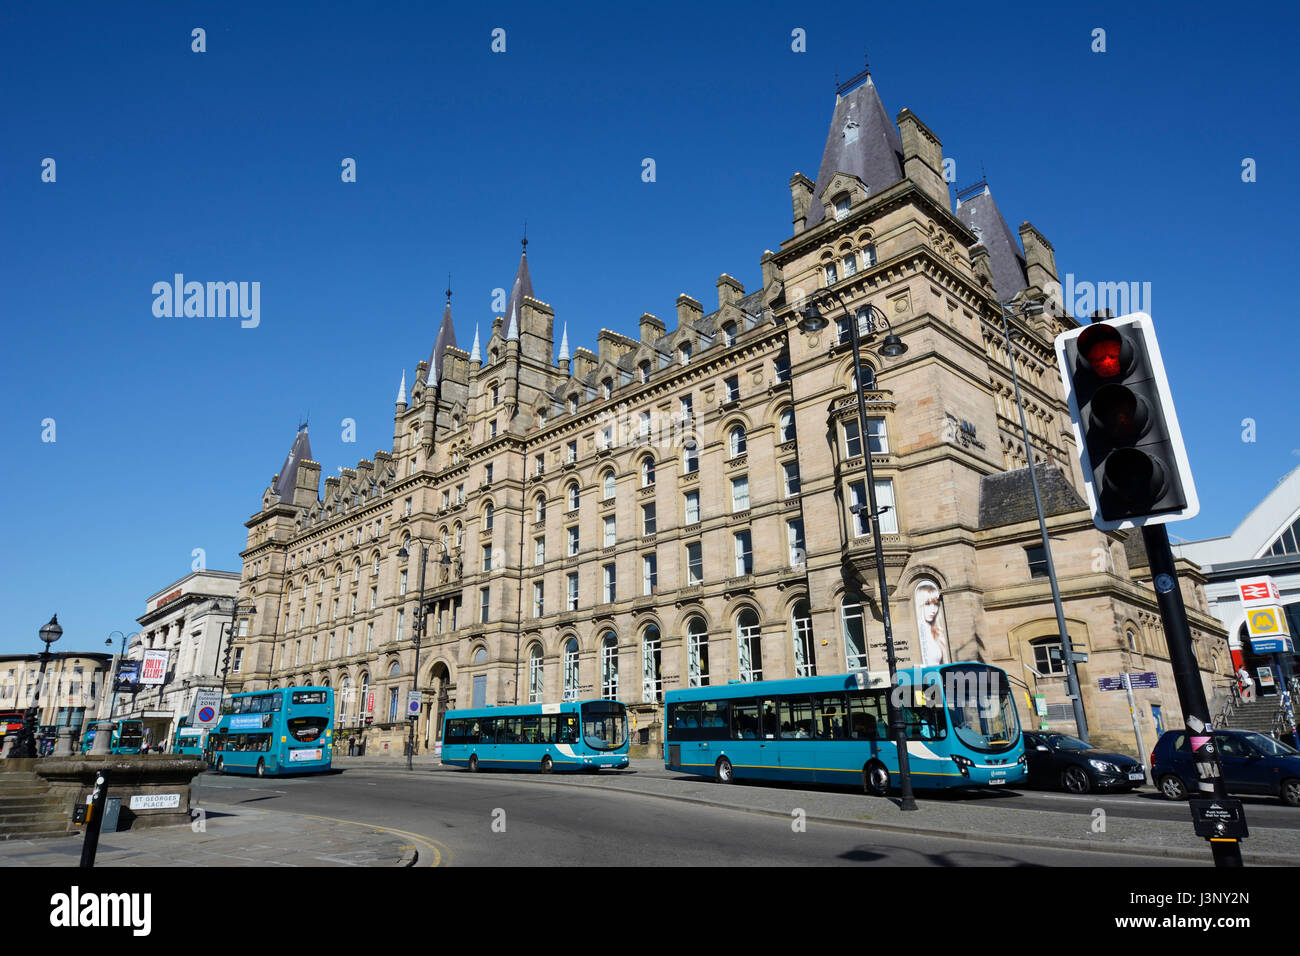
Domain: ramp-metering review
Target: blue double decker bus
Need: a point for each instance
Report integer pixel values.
(962, 729)
(575, 735)
(287, 730)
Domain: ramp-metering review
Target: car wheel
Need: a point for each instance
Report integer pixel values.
(261, 768)
(722, 773)
(1076, 780)
(1172, 787)
(547, 765)
(473, 763)
(875, 779)
(1291, 792)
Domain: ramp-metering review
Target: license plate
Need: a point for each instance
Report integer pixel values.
(1137, 776)
(997, 780)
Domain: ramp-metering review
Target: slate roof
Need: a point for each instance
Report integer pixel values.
(862, 142)
(523, 286)
(1008, 497)
(287, 480)
(446, 337)
(981, 214)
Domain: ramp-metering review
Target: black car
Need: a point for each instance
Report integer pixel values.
(1251, 763)
(1056, 760)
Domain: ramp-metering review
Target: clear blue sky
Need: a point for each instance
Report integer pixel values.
(225, 165)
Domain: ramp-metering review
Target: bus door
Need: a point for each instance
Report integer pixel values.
(752, 749)
(798, 748)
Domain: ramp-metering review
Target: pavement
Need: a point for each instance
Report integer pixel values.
(243, 836)
(229, 836)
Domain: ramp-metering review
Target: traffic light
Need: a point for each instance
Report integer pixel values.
(1134, 463)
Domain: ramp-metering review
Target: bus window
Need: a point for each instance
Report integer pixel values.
(796, 718)
(713, 720)
(487, 730)
(684, 719)
(867, 717)
(528, 730)
(831, 717)
(769, 719)
(548, 728)
(744, 720)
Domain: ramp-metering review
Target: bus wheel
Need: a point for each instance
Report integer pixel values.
(875, 779)
(261, 768)
(547, 766)
(473, 763)
(723, 773)
(221, 765)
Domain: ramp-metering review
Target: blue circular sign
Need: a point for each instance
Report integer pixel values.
(206, 714)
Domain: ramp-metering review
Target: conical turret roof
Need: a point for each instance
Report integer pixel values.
(287, 480)
(862, 142)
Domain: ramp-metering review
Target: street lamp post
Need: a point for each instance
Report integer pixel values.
(25, 745)
(419, 635)
(117, 667)
(1067, 649)
(812, 320)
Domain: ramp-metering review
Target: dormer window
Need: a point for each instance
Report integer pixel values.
(607, 388)
(684, 353)
(645, 372)
(729, 334)
(573, 404)
(841, 207)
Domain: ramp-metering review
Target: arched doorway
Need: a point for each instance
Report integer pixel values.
(438, 704)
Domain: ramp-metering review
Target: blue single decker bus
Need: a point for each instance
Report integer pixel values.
(287, 730)
(575, 735)
(960, 721)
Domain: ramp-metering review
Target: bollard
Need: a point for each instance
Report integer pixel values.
(90, 843)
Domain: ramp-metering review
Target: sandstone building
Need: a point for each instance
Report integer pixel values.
(677, 506)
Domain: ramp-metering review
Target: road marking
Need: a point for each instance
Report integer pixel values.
(439, 850)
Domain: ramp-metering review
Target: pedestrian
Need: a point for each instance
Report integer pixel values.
(1247, 684)
(352, 746)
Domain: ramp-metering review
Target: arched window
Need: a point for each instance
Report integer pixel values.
(489, 513)
(644, 369)
(647, 472)
(406, 544)
(805, 661)
(535, 675)
(868, 378)
(729, 333)
(738, 443)
(344, 703)
(539, 508)
(855, 635)
(607, 485)
(787, 424)
(460, 535)
(609, 666)
(652, 684)
(571, 493)
(363, 704)
(571, 669)
(481, 655)
(697, 653)
(749, 646)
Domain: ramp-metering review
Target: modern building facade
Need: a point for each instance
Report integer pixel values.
(188, 619)
(73, 692)
(1266, 543)
(685, 505)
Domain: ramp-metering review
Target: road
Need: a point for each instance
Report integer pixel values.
(520, 819)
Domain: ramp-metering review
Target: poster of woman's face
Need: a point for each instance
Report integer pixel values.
(930, 625)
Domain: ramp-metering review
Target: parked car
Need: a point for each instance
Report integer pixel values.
(1251, 762)
(1056, 760)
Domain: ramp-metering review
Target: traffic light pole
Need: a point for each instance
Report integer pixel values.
(1191, 695)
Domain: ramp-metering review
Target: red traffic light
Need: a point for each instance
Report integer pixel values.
(1101, 347)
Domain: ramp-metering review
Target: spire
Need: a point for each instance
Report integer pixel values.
(862, 142)
(977, 210)
(446, 337)
(287, 480)
(512, 333)
(564, 343)
(475, 355)
(401, 390)
(523, 286)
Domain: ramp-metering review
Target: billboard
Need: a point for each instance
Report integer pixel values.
(153, 669)
(128, 676)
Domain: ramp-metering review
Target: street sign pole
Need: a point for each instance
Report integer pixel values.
(1137, 726)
